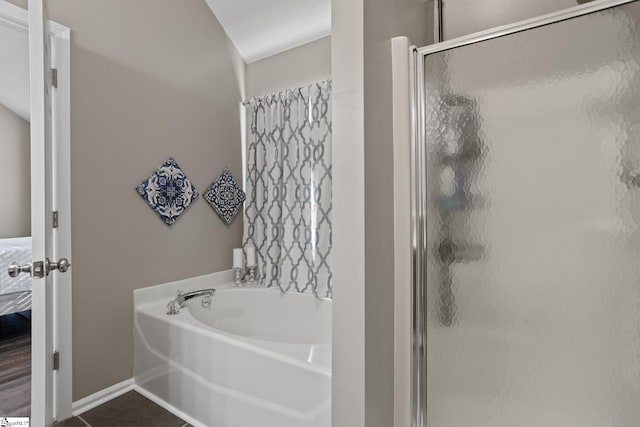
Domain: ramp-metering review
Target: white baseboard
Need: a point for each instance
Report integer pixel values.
(98, 398)
(102, 396)
(169, 407)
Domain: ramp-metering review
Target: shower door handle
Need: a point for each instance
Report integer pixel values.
(15, 269)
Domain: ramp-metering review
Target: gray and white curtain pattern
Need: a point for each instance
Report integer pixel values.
(288, 186)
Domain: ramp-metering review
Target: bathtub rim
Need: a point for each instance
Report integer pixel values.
(222, 291)
(152, 301)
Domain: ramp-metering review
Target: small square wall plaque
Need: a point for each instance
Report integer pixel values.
(168, 191)
(225, 196)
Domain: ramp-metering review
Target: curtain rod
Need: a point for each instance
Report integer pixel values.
(246, 103)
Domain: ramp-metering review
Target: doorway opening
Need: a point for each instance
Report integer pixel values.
(35, 312)
(15, 226)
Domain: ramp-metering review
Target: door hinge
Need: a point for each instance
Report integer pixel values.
(55, 219)
(56, 360)
(54, 77)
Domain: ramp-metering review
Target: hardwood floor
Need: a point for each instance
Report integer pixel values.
(15, 365)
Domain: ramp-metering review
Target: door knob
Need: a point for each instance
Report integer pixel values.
(62, 266)
(15, 269)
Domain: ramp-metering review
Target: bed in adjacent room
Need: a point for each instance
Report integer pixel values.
(15, 292)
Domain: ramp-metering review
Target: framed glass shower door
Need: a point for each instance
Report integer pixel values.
(527, 238)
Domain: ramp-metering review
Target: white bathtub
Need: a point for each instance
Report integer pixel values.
(256, 357)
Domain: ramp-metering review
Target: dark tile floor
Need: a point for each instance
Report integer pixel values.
(129, 410)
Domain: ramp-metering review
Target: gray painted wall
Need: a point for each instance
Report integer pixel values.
(363, 262)
(150, 79)
(347, 72)
(293, 68)
(155, 78)
(383, 19)
(461, 17)
(15, 174)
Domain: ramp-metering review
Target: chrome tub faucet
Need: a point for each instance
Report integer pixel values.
(181, 299)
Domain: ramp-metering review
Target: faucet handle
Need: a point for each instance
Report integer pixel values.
(206, 301)
(171, 308)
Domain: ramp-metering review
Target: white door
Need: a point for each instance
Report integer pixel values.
(42, 326)
(50, 189)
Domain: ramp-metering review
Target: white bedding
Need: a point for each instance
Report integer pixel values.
(14, 250)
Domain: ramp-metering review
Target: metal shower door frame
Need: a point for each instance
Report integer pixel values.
(418, 180)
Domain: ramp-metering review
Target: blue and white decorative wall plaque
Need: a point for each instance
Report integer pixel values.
(225, 196)
(168, 191)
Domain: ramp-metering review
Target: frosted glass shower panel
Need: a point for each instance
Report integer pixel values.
(533, 205)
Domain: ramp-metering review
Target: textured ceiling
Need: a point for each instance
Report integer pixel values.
(261, 28)
(14, 70)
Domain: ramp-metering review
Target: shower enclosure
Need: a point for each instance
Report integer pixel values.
(526, 237)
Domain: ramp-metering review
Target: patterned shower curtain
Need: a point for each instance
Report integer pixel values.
(288, 185)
